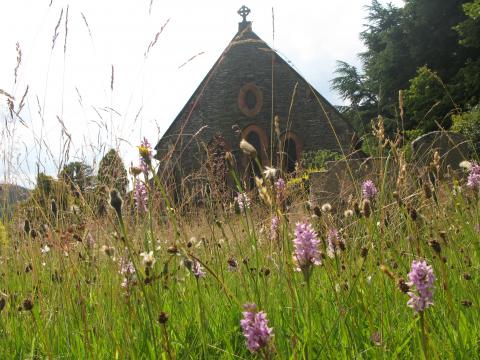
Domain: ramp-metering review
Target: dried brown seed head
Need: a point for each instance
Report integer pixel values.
(163, 318)
(172, 249)
(27, 304)
(402, 285)
(435, 245)
(367, 208)
(364, 252)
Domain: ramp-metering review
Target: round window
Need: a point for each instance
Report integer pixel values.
(250, 99)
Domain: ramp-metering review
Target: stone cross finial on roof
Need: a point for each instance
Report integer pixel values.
(243, 12)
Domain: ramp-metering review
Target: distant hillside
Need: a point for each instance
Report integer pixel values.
(11, 194)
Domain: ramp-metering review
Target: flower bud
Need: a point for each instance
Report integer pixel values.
(427, 190)
(54, 207)
(364, 252)
(435, 245)
(116, 202)
(403, 286)
(163, 318)
(367, 208)
(28, 304)
(230, 159)
(135, 171)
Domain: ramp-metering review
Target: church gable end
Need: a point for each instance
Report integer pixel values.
(235, 100)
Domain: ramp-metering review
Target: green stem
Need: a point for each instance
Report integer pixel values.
(424, 335)
(140, 281)
(309, 319)
(202, 318)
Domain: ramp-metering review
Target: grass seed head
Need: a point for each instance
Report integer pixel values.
(366, 208)
(364, 252)
(435, 245)
(163, 318)
(27, 305)
(248, 149)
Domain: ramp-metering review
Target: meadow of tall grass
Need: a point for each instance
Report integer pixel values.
(390, 272)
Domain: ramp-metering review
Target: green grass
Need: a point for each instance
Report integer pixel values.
(351, 308)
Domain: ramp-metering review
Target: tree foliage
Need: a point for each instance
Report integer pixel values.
(78, 175)
(111, 175)
(469, 29)
(427, 102)
(48, 190)
(468, 124)
(428, 48)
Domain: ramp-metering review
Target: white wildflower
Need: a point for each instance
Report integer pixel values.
(148, 258)
(466, 165)
(326, 207)
(269, 172)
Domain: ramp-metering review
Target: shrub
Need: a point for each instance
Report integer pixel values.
(427, 102)
(468, 124)
(316, 159)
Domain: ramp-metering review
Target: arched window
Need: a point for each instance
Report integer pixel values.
(291, 151)
(256, 136)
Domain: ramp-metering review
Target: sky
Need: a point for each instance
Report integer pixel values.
(74, 111)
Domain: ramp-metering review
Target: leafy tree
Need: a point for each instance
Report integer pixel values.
(399, 41)
(467, 81)
(112, 172)
(432, 39)
(47, 190)
(465, 86)
(387, 61)
(468, 124)
(317, 159)
(45, 184)
(78, 175)
(427, 102)
(469, 29)
(350, 84)
(111, 175)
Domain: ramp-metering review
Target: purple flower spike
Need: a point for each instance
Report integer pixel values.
(473, 180)
(280, 187)
(197, 270)
(128, 271)
(243, 201)
(369, 191)
(306, 244)
(140, 196)
(255, 328)
(422, 277)
(274, 227)
(333, 242)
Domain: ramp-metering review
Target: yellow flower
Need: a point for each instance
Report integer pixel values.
(145, 153)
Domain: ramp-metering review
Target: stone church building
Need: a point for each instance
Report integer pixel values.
(247, 87)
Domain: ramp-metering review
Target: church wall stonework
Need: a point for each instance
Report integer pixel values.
(227, 101)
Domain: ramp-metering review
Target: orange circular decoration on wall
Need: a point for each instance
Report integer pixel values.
(250, 99)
